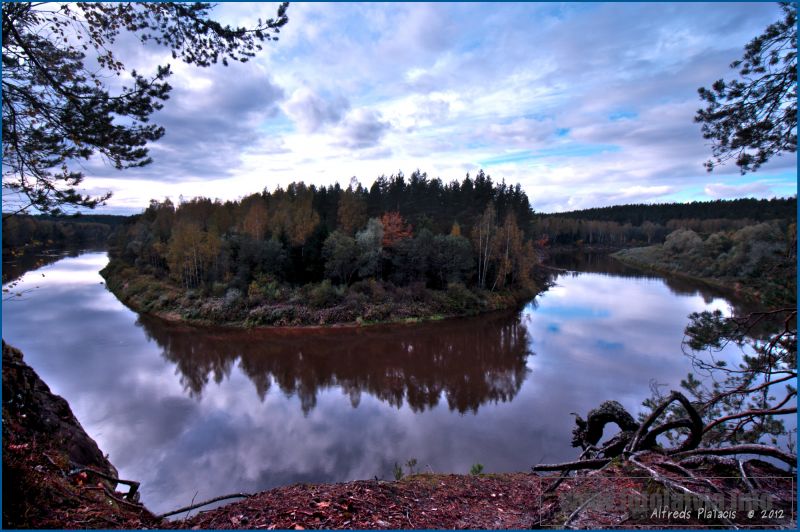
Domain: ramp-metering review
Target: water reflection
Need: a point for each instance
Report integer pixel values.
(470, 362)
(604, 264)
(15, 267)
(195, 413)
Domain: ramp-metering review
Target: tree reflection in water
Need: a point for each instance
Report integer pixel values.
(471, 361)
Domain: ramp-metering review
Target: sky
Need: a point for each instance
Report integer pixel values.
(583, 104)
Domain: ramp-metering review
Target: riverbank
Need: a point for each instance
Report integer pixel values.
(757, 262)
(635, 258)
(323, 304)
(54, 474)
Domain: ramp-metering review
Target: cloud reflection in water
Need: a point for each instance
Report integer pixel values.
(187, 410)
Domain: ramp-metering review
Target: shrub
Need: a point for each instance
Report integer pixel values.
(325, 295)
(218, 289)
(233, 297)
(683, 241)
(476, 469)
(461, 297)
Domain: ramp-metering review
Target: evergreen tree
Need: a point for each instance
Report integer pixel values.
(754, 118)
(58, 109)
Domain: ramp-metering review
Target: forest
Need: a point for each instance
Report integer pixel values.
(761, 258)
(23, 231)
(621, 226)
(439, 248)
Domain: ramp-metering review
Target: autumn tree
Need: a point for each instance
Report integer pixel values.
(352, 210)
(292, 213)
(395, 229)
(753, 118)
(58, 107)
(190, 253)
(256, 218)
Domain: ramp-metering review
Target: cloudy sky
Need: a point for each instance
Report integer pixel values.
(583, 104)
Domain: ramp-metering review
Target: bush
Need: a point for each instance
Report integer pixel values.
(462, 298)
(325, 295)
(233, 297)
(218, 289)
(683, 241)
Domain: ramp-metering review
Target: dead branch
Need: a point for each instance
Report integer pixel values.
(688, 474)
(579, 509)
(751, 413)
(671, 484)
(696, 425)
(751, 448)
(750, 485)
(588, 433)
(135, 505)
(595, 463)
(649, 441)
(205, 503)
(132, 484)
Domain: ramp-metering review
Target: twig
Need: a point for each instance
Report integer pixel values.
(765, 450)
(557, 483)
(53, 463)
(204, 503)
(668, 483)
(187, 512)
(745, 478)
(579, 509)
(688, 474)
(132, 484)
(136, 505)
(595, 463)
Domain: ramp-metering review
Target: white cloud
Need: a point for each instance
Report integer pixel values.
(721, 190)
(310, 111)
(362, 128)
(528, 91)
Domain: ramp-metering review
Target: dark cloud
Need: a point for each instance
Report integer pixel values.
(210, 119)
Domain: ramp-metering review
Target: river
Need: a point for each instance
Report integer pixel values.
(194, 413)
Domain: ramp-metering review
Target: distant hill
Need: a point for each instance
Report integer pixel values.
(24, 232)
(109, 219)
(661, 213)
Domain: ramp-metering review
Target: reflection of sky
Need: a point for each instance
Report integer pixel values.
(595, 337)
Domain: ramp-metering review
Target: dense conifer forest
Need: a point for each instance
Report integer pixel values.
(637, 224)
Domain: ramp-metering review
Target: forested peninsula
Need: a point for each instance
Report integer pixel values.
(405, 249)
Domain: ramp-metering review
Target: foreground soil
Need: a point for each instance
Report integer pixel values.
(599, 499)
(56, 477)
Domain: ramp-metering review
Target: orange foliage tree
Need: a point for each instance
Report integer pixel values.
(395, 229)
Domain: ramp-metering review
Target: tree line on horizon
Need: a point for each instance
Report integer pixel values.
(645, 224)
